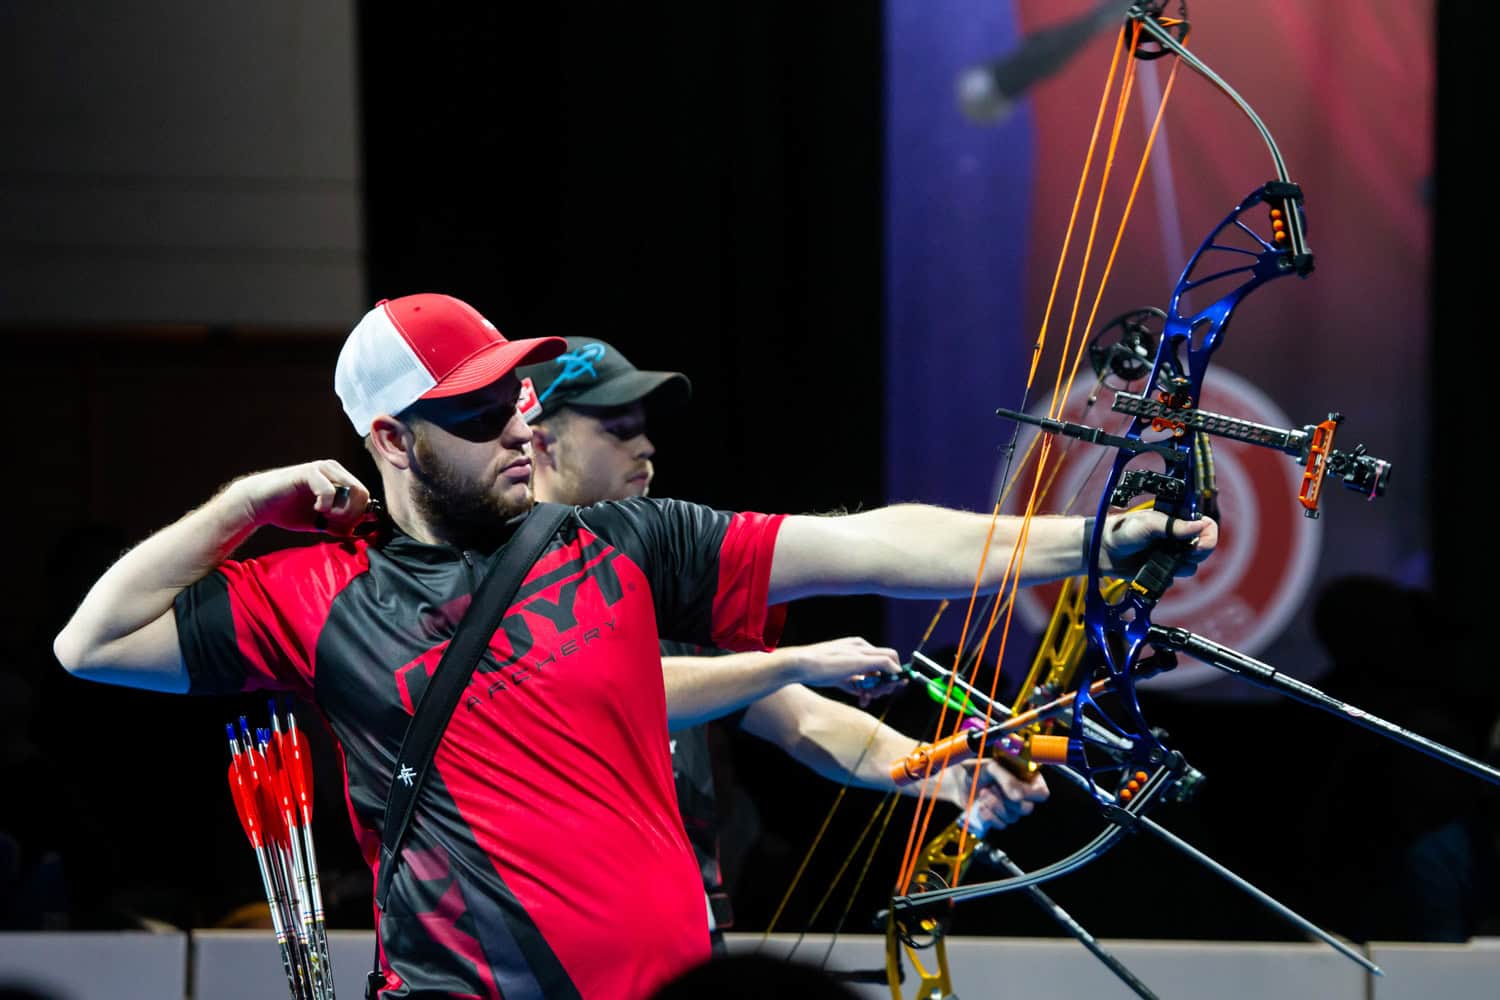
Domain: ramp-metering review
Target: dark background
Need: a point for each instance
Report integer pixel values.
(701, 186)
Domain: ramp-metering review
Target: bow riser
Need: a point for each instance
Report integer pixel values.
(1119, 629)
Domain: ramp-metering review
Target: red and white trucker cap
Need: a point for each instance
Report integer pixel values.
(424, 347)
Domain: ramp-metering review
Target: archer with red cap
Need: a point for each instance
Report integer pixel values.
(535, 849)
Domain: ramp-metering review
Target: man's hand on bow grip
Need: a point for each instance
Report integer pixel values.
(1130, 537)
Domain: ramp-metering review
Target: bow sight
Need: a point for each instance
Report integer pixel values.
(1171, 410)
(1124, 349)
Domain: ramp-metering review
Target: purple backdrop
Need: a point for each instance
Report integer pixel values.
(975, 216)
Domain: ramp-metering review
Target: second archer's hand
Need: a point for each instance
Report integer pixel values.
(1002, 799)
(850, 664)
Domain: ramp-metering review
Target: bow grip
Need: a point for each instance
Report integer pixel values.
(1155, 575)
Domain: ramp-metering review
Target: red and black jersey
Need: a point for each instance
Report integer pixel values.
(546, 857)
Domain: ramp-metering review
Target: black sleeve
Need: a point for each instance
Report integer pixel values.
(206, 636)
(709, 571)
(676, 544)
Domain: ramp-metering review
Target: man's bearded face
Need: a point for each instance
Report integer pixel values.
(464, 500)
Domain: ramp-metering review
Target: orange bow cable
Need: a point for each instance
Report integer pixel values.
(1121, 108)
(1045, 475)
(1062, 388)
(1124, 218)
(923, 816)
(1126, 87)
(1088, 162)
(927, 796)
(1122, 103)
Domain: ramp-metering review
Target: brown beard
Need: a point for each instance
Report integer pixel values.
(461, 512)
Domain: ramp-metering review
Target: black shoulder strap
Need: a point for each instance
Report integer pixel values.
(430, 717)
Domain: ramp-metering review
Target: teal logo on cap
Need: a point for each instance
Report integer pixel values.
(575, 365)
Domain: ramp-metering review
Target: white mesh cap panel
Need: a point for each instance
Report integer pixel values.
(377, 371)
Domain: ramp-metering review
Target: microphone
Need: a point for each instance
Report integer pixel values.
(987, 93)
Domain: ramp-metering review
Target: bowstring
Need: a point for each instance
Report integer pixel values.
(922, 817)
(1064, 387)
(969, 664)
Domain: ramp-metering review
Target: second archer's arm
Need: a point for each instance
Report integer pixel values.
(701, 688)
(846, 745)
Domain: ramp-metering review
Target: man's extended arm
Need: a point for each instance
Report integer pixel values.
(124, 632)
(910, 550)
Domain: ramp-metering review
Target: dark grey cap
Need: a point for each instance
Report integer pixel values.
(593, 373)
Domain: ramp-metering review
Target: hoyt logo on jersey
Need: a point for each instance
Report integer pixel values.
(558, 631)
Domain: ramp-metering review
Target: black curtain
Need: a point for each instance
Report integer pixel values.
(1463, 255)
(700, 185)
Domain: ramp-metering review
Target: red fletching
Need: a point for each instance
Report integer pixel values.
(281, 782)
(270, 752)
(244, 803)
(265, 797)
(298, 771)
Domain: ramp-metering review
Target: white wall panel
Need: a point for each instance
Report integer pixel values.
(87, 966)
(241, 965)
(1439, 972)
(246, 965)
(1056, 969)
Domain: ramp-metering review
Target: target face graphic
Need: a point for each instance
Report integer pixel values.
(1246, 593)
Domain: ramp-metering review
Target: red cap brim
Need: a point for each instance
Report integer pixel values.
(495, 362)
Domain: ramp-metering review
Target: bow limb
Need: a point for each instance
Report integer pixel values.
(1149, 788)
(953, 850)
(952, 847)
(930, 982)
